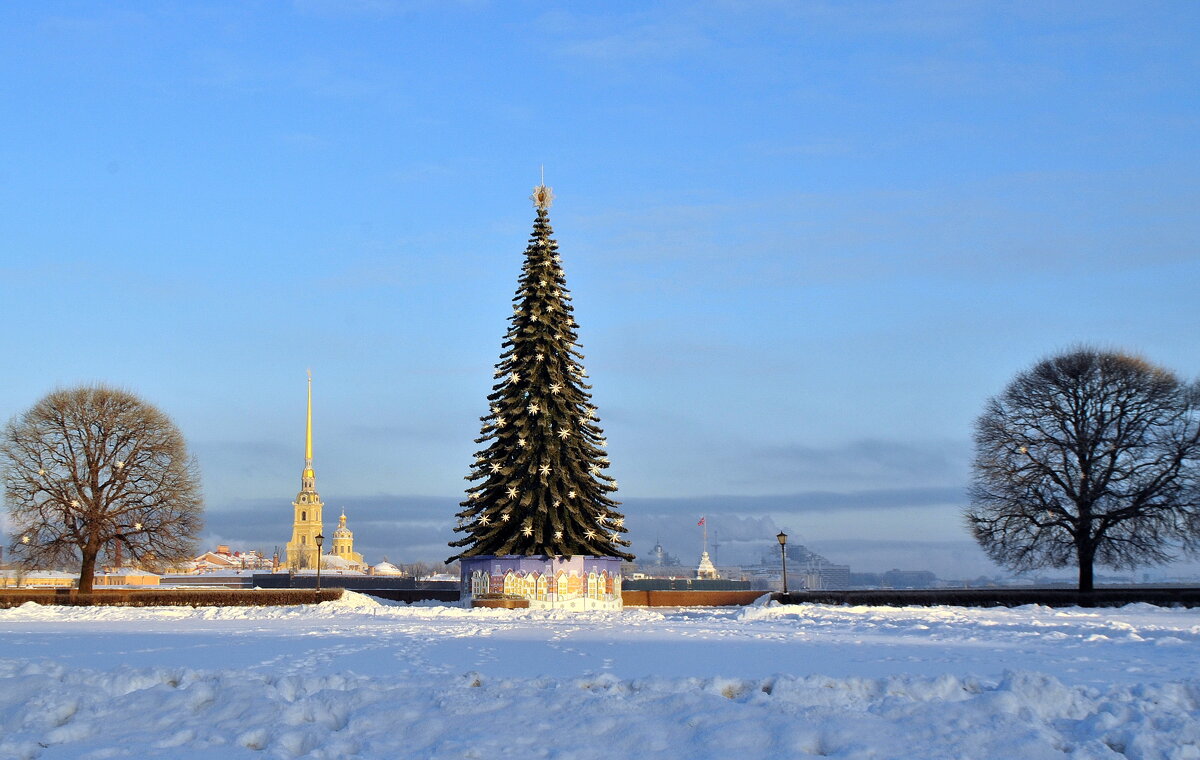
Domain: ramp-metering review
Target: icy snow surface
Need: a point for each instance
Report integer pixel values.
(361, 679)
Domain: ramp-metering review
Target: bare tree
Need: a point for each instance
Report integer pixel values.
(1088, 458)
(93, 471)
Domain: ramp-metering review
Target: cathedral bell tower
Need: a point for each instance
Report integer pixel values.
(302, 549)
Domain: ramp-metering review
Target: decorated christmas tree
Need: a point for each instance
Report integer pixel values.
(539, 485)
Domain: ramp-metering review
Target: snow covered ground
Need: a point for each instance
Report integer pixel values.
(361, 679)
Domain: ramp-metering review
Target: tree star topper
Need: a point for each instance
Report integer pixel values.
(542, 196)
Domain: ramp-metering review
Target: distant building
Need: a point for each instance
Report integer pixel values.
(127, 577)
(866, 580)
(824, 576)
(705, 571)
(660, 558)
(387, 568)
(307, 523)
(222, 559)
(37, 579)
(343, 543)
(806, 569)
(660, 563)
(900, 579)
(909, 579)
(332, 564)
(214, 560)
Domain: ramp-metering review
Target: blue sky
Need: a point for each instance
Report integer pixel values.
(806, 240)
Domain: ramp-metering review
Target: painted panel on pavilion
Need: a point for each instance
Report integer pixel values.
(573, 583)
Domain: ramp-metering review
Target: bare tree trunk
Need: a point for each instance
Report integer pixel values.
(1087, 559)
(87, 572)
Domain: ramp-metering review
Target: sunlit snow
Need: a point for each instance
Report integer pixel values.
(358, 678)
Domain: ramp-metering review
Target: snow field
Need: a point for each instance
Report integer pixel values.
(357, 678)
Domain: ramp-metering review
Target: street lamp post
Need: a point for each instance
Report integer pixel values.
(782, 537)
(319, 539)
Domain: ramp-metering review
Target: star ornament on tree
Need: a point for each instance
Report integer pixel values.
(542, 197)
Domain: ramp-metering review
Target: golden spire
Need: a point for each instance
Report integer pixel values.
(308, 431)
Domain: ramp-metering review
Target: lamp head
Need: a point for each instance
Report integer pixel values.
(782, 537)
(320, 539)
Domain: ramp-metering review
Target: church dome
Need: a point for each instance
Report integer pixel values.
(341, 531)
(386, 568)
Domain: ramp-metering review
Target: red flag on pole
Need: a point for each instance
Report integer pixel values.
(701, 521)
